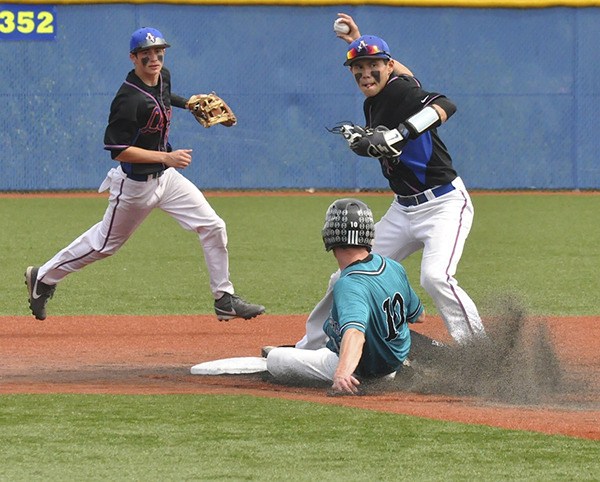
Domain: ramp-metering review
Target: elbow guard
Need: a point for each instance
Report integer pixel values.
(428, 117)
(422, 121)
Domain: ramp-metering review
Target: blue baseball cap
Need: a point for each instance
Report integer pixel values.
(145, 38)
(367, 47)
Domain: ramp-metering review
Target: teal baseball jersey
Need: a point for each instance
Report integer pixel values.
(375, 297)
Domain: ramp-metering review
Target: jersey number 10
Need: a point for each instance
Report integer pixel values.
(394, 313)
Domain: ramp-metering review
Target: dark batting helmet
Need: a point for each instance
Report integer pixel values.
(348, 222)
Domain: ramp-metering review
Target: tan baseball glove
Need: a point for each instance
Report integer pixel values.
(210, 109)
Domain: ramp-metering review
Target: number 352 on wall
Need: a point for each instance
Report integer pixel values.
(27, 22)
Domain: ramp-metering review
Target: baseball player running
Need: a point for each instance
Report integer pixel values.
(146, 178)
(432, 209)
(373, 303)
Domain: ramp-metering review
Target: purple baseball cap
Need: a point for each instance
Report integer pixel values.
(367, 47)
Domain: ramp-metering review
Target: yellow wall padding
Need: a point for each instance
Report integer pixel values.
(399, 3)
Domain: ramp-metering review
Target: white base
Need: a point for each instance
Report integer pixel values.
(231, 366)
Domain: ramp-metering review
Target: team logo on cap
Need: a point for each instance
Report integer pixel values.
(361, 46)
(150, 37)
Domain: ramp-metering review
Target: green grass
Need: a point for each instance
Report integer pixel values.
(187, 437)
(543, 248)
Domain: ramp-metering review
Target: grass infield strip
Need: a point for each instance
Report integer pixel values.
(190, 437)
(543, 248)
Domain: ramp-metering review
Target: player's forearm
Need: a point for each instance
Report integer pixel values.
(137, 155)
(350, 352)
(178, 101)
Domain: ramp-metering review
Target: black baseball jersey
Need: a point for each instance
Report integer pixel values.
(140, 116)
(425, 161)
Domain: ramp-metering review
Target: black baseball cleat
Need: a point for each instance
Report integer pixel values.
(39, 293)
(232, 306)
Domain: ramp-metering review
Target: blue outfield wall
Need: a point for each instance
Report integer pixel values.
(525, 82)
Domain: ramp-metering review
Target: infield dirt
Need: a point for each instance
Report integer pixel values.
(540, 375)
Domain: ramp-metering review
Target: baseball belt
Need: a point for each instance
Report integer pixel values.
(424, 196)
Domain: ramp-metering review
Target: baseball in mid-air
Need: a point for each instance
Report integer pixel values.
(339, 26)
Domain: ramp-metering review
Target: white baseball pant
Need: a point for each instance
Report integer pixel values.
(129, 203)
(293, 366)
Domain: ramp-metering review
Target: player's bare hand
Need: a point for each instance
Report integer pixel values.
(180, 159)
(344, 385)
(354, 31)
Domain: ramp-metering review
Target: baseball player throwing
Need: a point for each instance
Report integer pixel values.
(373, 303)
(146, 178)
(432, 209)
